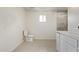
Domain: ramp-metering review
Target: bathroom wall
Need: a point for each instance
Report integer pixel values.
(11, 27)
(40, 30)
(73, 19)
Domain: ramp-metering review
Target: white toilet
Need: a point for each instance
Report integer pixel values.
(28, 37)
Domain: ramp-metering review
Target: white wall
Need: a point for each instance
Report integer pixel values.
(11, 27)
(73, 19)
(41, 30)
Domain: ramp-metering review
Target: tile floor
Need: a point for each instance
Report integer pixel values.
(37, 46)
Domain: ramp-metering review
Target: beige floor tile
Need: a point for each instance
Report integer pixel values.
(37, 46)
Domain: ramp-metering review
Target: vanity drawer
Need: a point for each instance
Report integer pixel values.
(71, 41)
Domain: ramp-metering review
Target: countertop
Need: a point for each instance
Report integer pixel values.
(70, 34)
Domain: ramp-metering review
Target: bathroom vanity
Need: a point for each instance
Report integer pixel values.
(67, 41)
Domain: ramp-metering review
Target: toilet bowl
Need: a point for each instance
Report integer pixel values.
(28, 37)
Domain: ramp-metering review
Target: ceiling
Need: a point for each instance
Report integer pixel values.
(59, 9)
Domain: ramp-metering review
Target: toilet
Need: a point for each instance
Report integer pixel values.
(28, 37)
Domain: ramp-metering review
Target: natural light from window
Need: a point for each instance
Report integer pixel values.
(42, 18)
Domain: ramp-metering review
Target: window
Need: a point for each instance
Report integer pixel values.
(42, 18)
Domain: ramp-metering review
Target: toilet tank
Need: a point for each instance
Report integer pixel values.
(25, 32)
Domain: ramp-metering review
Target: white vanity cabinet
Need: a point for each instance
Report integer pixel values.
(66, 43)
(58, 41)
(78, 46)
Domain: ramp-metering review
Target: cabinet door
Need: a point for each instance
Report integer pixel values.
(65, 46)
(78, 45)
(58, 42)
(69, 48)
(62, 44)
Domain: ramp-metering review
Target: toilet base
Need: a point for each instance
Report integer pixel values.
(29, 39)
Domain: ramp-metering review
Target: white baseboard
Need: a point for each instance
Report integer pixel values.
(46, 37)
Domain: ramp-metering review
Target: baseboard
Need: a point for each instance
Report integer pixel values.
(45, 37)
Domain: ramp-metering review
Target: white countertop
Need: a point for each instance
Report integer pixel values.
(70, 34)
